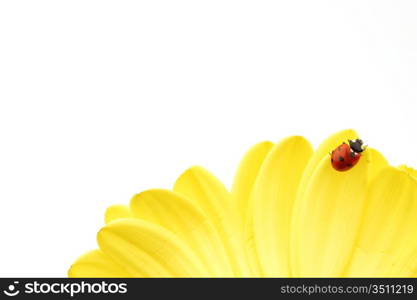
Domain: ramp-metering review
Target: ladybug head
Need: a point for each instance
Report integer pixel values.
(357, 145)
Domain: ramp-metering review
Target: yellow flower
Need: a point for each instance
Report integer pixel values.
(289, 214)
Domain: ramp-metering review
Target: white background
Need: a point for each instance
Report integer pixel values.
(100, 100)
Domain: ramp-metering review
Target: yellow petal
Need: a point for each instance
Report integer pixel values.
(188, 222)
(96, 264)
(329, 214)
(410, 171)
(246, 175)
(146, 249)
(272, 198)
(324, 149)
(208, 193)
(115, 212)
(387, 243)
(377, 162)
(241, 192)
(321, 153)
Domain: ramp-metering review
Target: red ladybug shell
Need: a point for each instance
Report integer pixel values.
(343, 158)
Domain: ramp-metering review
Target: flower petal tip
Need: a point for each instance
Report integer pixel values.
(116, 212)
(409, 171)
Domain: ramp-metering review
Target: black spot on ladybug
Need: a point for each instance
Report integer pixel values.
(349, 165)
(352, 154)
(341, 158)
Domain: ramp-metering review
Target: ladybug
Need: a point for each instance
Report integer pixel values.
(345, 156)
